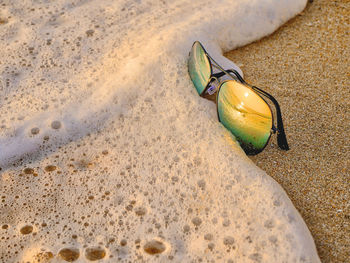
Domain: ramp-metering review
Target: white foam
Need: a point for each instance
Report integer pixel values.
(142, 161)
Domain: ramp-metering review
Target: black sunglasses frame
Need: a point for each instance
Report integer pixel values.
(249, 150)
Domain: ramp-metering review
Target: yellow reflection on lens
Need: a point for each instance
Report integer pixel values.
(245, 114)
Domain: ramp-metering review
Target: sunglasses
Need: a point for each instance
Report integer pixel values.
(241, 108)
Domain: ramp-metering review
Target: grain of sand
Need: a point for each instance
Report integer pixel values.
(305, 65)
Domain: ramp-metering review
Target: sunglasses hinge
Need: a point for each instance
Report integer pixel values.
(274, 129)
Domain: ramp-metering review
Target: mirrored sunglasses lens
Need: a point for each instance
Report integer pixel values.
(199, 67)
(246, 115)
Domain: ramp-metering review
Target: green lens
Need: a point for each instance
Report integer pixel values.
(199, 67)
(245, 114)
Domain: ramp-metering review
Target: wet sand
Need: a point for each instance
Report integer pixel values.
(305, 65)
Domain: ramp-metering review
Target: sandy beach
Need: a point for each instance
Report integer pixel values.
(109, 154)
(305, 64)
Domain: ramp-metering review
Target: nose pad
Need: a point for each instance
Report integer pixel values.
(213, 86)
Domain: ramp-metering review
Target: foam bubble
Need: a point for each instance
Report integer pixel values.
(69, 254)
(154, 247)
(95, 253)
(27, 229)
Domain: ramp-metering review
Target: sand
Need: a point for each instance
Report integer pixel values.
(305, 65)
(107, 151)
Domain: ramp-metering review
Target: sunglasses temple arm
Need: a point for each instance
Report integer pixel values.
(227, 72)
(219, 75)
(281, 135)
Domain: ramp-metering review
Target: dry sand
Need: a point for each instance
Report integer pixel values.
(305, 65)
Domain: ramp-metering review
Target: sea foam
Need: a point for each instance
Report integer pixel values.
(108, 153)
